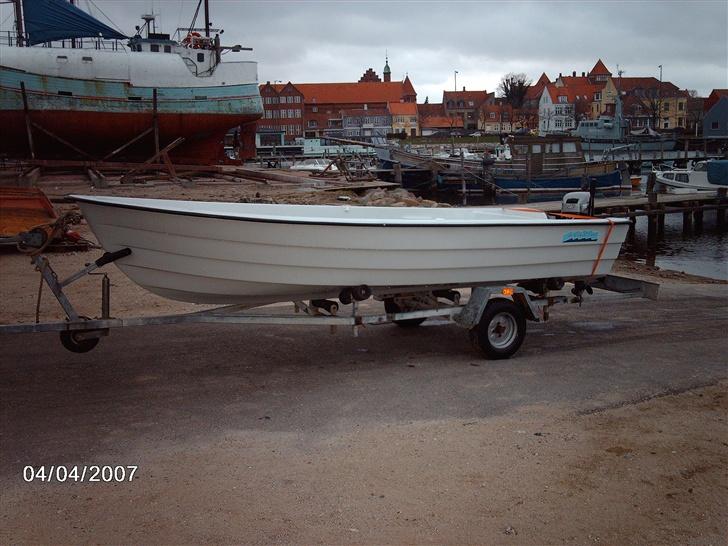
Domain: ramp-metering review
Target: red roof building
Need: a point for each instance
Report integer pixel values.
(466, 105)
(321, 104)
(432, 119)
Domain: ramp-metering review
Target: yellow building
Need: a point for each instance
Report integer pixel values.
(404, 118)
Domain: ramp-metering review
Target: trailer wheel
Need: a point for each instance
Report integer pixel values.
(71, 342)
(501, 329)
(390, 306)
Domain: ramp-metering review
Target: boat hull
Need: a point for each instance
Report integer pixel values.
(203, 135)
(99, 116)
(596, 145)
(606, 182)
(212, 257)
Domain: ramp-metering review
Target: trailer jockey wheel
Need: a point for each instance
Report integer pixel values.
(390, 306)
(73, 343)
(501, 329)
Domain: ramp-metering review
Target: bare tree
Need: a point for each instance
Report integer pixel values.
(513, 88)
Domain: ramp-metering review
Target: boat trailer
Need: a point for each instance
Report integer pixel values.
(495, 314)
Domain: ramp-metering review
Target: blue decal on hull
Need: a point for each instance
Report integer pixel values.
(581, 236)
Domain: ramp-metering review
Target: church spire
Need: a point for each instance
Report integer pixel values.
(387, 71)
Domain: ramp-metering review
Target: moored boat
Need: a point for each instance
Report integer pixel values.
(258, 253)
(549, 166)
(704, 176)
(102, 95)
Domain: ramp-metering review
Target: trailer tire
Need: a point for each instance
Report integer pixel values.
(390, 306)
(501, 330)
(75, 345)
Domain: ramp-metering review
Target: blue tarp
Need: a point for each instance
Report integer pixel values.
(50, 20)
(718, 172)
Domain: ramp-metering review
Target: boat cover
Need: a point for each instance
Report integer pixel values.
(50, 20)
(718, 172)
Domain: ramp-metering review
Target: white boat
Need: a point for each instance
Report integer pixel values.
(315, 165)
(243, 253)
(695, 179)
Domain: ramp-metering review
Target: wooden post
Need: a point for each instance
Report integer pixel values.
(687, 221)
(698, 216)
(398, 173)
(28, 129)
(651, 228)
(651, 179)
(462, 176)
(720, 212)
(155, 121)
(661, 223)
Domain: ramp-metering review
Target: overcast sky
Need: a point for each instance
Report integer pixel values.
(316, 41)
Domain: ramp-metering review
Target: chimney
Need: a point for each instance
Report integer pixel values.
(583, 74)
(574, 73)
(463, 88)
(559, 74)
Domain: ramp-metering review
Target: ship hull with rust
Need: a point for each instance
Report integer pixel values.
(98, 117)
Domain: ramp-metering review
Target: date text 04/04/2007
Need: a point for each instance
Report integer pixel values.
(79, 473)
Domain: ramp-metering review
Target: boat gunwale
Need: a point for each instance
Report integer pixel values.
(558, 222)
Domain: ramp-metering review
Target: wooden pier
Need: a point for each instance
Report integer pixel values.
(655, 206)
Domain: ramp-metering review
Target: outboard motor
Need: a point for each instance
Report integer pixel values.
(576, 202)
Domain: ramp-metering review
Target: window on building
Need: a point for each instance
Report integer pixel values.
(314, 109)
(154, 48)
(491, 115)
(558, 123)
(298, 98)
(559, 111)
(569, 147)
(200, 57)
(665, 124)
(312, 123)
(471, 103)
(298, 112)
(168, 49)
(666, 107)
(681, 106)
(563, 98)
(714, 125)
(598, 95)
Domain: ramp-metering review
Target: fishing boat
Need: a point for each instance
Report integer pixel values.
(243, 253)
(64, 95)
(549, 166)
(704, 176)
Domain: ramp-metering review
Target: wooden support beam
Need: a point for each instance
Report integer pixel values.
(61, 140)
(28, 126)
(125, 146)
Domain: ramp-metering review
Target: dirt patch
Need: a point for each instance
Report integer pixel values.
(656, 273)
(652, 473)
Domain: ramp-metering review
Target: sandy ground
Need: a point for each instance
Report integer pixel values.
(263, 437)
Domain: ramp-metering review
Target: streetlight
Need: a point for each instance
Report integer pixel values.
(659, 99)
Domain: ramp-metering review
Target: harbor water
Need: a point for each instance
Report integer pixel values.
(698, 252)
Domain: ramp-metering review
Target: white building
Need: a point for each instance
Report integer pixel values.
(556, 112)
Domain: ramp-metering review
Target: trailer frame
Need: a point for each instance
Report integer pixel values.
(515, 304)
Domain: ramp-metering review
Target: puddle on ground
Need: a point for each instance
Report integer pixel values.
(593, 325)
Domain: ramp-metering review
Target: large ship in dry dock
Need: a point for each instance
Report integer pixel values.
(61, 93)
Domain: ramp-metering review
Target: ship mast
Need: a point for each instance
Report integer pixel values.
(19, 22)
(207, 19)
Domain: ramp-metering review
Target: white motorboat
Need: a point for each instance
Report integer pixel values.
(315, 165)
(245, 253)
(695, 179)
